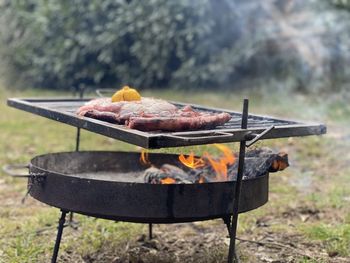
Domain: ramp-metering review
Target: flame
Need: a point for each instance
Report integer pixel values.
(144, 158)
(167, 180)
(191, 161)
(229, 157)
(220, 165)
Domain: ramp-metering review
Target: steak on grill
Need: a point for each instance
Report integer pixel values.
(150, 114)
(178, 123)
(126, 109)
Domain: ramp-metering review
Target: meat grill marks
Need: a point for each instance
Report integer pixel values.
(151, 114)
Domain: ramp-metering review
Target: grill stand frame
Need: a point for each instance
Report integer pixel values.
(231, 222)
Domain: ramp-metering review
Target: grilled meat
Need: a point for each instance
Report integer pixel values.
(150, 114)
(178, 123)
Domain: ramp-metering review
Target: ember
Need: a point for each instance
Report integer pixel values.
(168, 181)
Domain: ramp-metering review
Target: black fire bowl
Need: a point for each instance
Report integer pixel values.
(109, 185)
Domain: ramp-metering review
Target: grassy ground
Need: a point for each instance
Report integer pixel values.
(306, 220)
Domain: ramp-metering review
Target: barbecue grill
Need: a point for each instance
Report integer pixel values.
(106, 184)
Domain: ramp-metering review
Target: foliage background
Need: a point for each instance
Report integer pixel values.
(198, 44)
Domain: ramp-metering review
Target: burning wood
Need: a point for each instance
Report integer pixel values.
(259, 162)
(167, 174)
(280, 163)
(209, 169)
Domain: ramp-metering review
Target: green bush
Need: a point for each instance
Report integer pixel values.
(60, 44)
(162, 43)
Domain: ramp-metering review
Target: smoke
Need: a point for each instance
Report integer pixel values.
(303, 45)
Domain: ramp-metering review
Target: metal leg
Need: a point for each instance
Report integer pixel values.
(73, 224)
(59, 236)
(77, 141)
(70, 217)
(227, 221)
(232, 256)
(150, 234)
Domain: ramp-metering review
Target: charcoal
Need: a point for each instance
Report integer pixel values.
(171, 169)
(154, 175)
(202, 175)
(259, 152)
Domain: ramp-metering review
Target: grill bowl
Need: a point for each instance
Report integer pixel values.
(109, 185)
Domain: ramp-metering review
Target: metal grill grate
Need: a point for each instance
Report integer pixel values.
(64, 110)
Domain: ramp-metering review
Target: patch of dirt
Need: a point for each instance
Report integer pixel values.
(312, 214)
(191, 242)
(275, 247)
(208, 242)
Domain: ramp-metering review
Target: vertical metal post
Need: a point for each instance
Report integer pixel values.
(77, 145)
(61, 222)
(77, 141)
(227, 221)
(150, 234)
(71, 214)
(233, 230)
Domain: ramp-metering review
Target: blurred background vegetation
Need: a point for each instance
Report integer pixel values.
(289, 44)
